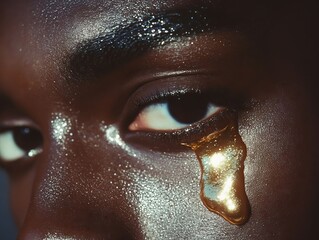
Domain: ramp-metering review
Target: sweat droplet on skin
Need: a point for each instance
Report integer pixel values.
(221, 155)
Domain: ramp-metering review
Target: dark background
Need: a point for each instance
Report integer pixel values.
(7, 227)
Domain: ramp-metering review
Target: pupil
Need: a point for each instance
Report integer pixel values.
(27, 138)
(188, 109)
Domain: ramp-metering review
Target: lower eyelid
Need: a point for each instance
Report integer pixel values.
(170, 141)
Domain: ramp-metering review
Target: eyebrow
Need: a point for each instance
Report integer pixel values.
(97, 56)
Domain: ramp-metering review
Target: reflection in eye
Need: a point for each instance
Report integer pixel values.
(175, 113)
(19, 142)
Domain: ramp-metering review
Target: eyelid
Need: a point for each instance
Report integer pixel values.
(8, 123)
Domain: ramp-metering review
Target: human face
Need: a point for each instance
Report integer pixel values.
(82, 83)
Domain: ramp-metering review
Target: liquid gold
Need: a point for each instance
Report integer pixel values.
(221, 155)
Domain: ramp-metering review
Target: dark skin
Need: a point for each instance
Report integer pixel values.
(96, 178)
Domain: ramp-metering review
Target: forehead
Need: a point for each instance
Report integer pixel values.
(54, 13)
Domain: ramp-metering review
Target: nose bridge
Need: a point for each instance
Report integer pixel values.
(53, 174)
(71, 196)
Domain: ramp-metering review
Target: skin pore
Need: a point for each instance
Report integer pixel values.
(82, 74)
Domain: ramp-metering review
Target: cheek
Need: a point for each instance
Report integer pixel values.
(21, 190)
(165, 195)
(279, 168)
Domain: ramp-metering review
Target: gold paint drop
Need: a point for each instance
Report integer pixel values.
(221, 155)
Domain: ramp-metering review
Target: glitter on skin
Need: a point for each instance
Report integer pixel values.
(111, 47)
(55, 236)
(51, 189)
(113, 136)
(61, 127)
(155, 201)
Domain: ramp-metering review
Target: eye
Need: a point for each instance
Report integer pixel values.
(19, 142)
(162, 114)
(176, 112)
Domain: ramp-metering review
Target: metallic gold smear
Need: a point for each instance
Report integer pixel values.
(221, 156)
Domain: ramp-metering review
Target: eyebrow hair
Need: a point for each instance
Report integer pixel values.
(97, 56)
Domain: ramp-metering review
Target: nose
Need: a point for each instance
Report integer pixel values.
(76, 194)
